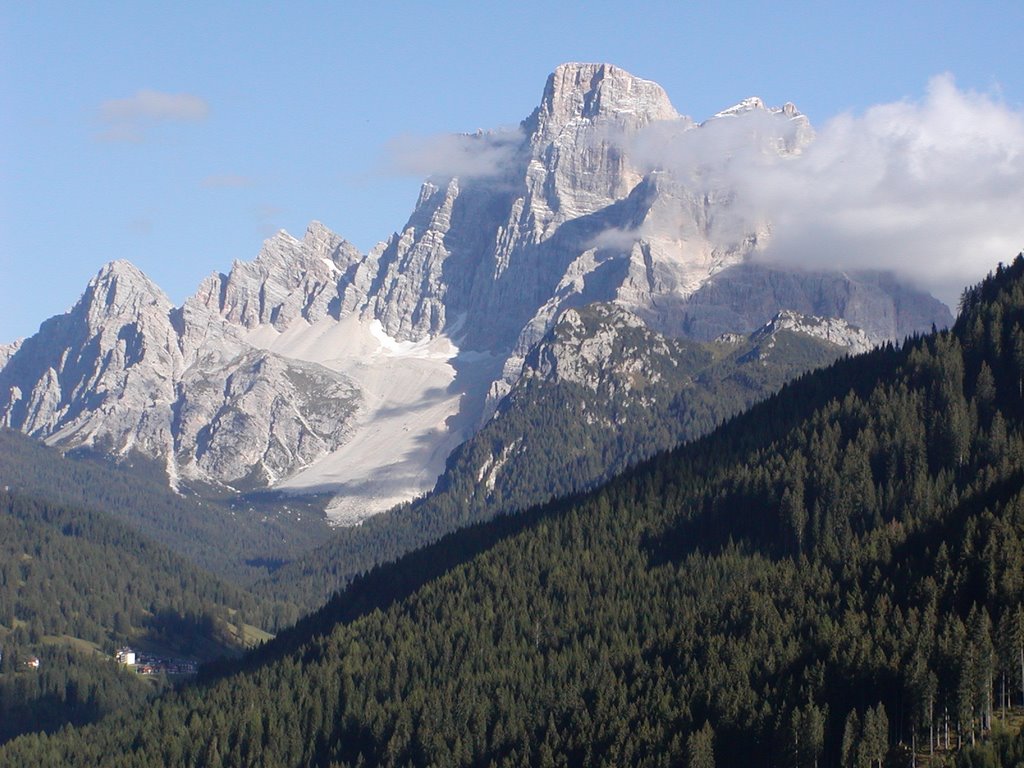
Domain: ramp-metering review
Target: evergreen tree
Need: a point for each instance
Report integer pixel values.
(700, 748)
(852, 735)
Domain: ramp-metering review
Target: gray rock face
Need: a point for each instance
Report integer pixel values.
(409, 289)
(289, 279)
(88, 375)
(745, 297)
(576, 215)
(490, 252)
(604, 343)
(125, 371)
(830, 329)
(7, 351)
(607, 343)
(577, 167)
(260, 417)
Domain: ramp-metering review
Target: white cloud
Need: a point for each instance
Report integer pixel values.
(713, 152)
(617, 239)
(473, 155)
(127, 118)
(931, 189)
(141, 226)
(268, 218)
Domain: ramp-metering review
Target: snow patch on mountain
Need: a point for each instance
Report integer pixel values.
(416, 407)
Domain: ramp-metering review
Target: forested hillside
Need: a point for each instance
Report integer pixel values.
(834, 578)
(557, 435)
(74, 585)
(236, 543)
(71, 571)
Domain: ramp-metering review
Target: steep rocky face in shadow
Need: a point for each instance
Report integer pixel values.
(746, 296)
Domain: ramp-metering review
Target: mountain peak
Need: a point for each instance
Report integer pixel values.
(120, 269)
(316, 231)
(792, 129)
(122, 286)
(589, 91)
(748, 104)
(756, 104)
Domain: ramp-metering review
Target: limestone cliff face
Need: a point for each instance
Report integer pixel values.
(828, 329)
(125, 371)
(604, 348)
(90, 374)
(745, 296)
(611, 351)
(577, 162)
(259, 418)
(573, 211)
(490, 251)
(7, 351)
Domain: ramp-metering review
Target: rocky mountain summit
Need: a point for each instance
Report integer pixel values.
(318, 367)
(830, 329)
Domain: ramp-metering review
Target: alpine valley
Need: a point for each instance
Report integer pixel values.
(559, 257)
(565, 472)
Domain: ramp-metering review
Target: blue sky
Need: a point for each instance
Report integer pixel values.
(181, 135)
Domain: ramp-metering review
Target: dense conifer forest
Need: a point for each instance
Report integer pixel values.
(71, 571)
(236, 541)
(834, 578)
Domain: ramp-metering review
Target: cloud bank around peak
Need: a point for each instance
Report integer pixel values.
(931, 189)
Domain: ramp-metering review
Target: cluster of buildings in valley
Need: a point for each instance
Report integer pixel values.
(145, 664)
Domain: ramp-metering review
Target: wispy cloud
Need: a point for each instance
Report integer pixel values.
(473, 155)
(268, 218)
(227, 181)
(141, 226)
(126, 119)
(154, 105)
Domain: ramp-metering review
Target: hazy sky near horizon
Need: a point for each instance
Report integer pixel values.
(180, 136)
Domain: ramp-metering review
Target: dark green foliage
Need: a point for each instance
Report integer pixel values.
(69, 687)
(1004, 750)
(233, 543)
(69, 571)
(678, 614)
(700, 748)
(74, 577)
